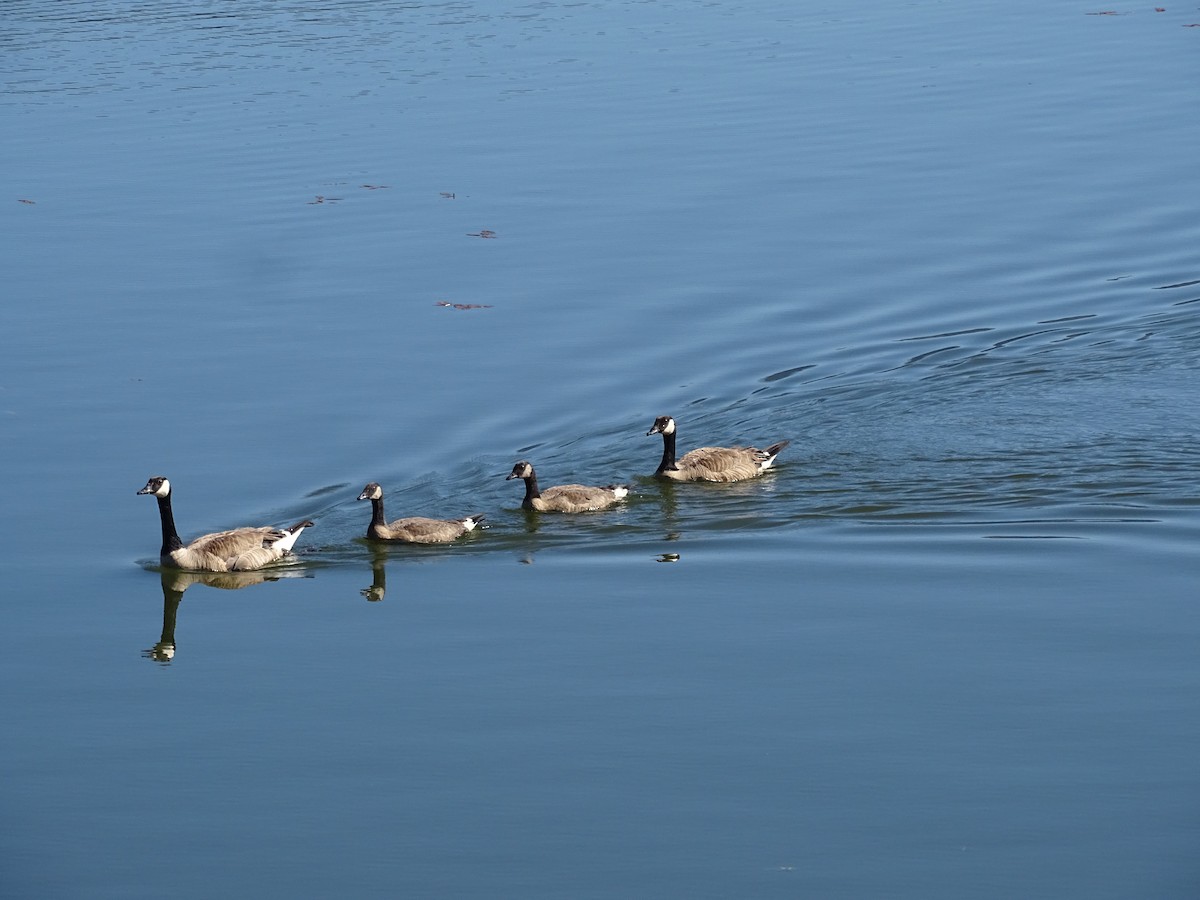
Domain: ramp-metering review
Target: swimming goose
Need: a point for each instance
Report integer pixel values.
(415, 529)
(710, 463)
(240, 549)
(565, 497)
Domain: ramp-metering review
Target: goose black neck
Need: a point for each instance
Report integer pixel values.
(377, 512)
(170, 536)
(668, 457)
(531, 491)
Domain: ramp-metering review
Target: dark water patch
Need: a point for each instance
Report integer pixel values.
(786, 373)
(1067, 319)
(946, 334)
(921, 357)
(326, 490)
(1032, 537)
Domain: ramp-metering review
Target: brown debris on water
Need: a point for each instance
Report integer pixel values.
(446, 304)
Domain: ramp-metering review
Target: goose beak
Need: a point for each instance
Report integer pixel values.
(146, 490)
(654, 429)
(363, 496)
(510, 476)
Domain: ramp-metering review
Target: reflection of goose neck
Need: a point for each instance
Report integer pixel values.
(668, 457)
(164, 650)
(378, 588)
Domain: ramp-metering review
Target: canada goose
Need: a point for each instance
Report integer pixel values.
(413, 530)
(240, 549)
(565, 497)
(710, 463)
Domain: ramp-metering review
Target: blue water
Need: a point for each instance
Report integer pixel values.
(946, 649)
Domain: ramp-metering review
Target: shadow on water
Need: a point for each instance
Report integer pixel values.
(398, 553)
(176, 583)
(381, 554)
(377, 590)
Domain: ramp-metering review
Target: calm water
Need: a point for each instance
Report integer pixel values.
(277, 250)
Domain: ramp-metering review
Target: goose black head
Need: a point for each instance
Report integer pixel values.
(521, 470)
(662, 425)
(158, 486)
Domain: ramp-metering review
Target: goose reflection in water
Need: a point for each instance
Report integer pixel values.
(378, 587)
(174, 583)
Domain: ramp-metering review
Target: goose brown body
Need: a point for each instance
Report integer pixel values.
(569, 498)
(238, 549)
(719, 464)
(414, 529)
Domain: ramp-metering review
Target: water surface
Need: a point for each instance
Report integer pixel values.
(275, 252)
